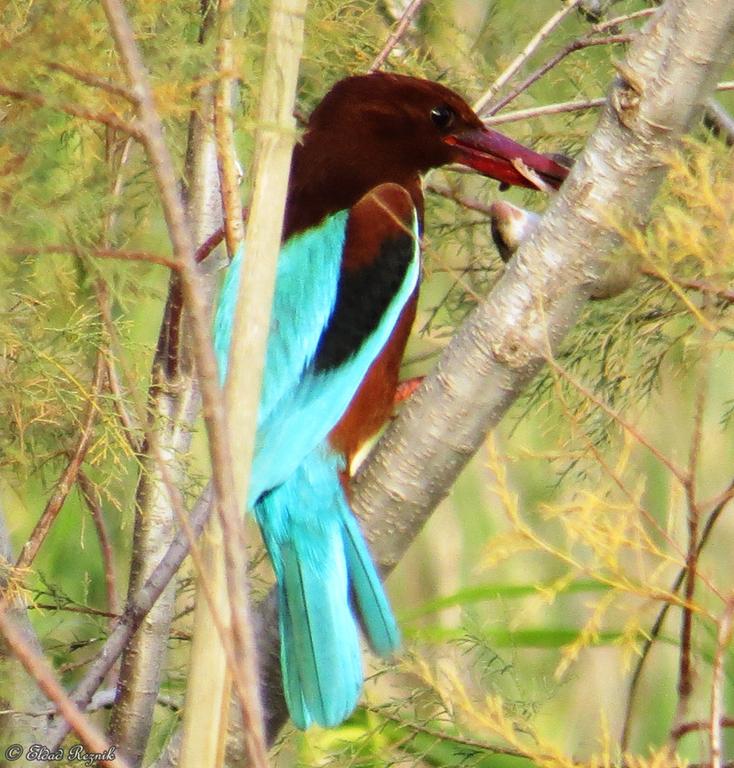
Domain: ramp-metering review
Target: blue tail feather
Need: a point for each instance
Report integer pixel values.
(324, 656)
(291, 681)
(320, 559)
(377, 616)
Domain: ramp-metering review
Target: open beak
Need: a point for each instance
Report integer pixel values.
(494, 155)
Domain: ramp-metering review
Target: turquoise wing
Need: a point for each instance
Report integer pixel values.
(328, 325)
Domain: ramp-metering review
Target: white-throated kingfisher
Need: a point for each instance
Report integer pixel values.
(345, 299)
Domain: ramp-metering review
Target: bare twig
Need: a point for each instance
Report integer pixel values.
(73, 608)
(716, 291)
(546, 109)
(719, 506)
(617, 21)
(130, 428)
(484, 101)
(224, 131)
(90, 494)
(610, 471)
(565, 106)
(100, 253)
(576, 45)
(75, 110)
(39, 669)
(208, 246)
(406, 20)
(105, 699)
(685, 675)
(69, 475)
(698, 725)
(93, 80)
(679, 474)
(136, 610)
(470, 203)
(443, 736)
(17, 689)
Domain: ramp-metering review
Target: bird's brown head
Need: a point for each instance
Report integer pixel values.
(378, 128)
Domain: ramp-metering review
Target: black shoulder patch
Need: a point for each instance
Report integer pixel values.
(362, 297)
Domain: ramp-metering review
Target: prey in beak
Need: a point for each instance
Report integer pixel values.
(499, 157)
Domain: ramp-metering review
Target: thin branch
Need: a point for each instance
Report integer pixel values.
(723, 294)
(19, 692)
(713, 517)
(679, 474)
(685, 674)
(85, 610)
(224, 132)
(90, 494)
(105, 699)
(39, 669)
(617, 21)
(698, 725)
(565, 106)
(75, 110)
(470, 203)
(483, 103)
(129, 427)
(135, 611)
(406, 20)
(577, 45)
(70, 473)
(100, 253)
(93, 80)
(442, 736)
(611, 472)
(209, 245)
(547, 109)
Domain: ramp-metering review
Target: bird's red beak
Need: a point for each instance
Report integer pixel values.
(494, 155)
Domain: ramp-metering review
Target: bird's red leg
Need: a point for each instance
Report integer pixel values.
(406, 388)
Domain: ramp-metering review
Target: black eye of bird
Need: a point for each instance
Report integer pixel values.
(443, 117)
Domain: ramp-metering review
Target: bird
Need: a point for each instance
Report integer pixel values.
(345, 298)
